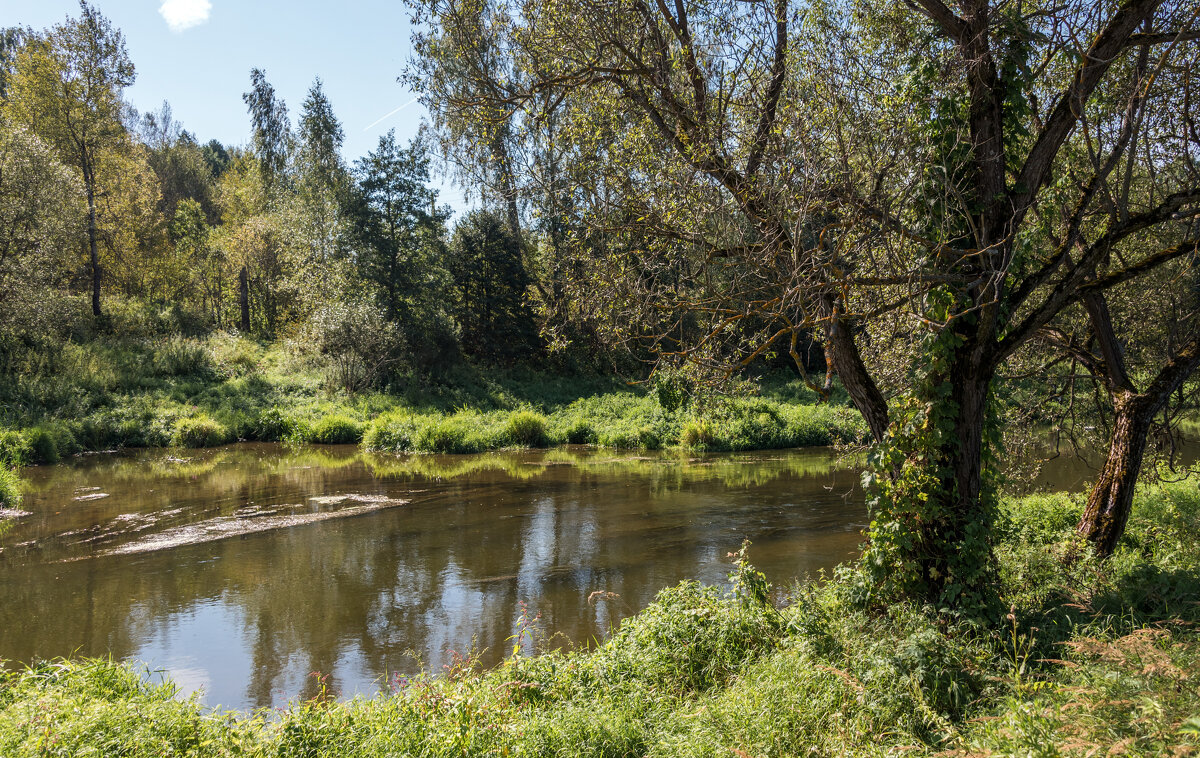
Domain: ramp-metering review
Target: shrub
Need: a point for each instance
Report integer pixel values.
(200, 431)
(697, 433)
(335, 430)
(445, 435)
(49, 443)
(274, 425)
(526, 429)
(580, 432)
(360, 345)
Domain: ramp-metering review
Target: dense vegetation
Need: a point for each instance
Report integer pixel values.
(216, 390)
(966, 209)
(1087, 661)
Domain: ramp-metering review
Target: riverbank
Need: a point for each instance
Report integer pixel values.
(1092, 658)
(205, 392)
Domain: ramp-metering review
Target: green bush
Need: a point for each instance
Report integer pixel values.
(273, 425)
(335, 430)
(526, 429)
(50, 442)
(697, 433)
(200, 431)
(450, 434)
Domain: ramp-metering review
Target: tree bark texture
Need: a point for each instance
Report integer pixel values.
(1111, 498)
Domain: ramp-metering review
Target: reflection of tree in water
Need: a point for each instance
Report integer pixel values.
(349, 597)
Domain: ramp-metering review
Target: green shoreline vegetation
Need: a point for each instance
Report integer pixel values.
(204, 392)
(1090, 659)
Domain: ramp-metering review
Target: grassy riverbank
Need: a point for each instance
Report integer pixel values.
(1092, 658)
(203, 392)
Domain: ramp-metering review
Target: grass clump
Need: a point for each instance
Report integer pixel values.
(335, 429)
(200, 431)
(526, 429)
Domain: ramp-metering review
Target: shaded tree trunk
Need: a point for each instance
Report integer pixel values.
(244, 298)
(843, 357)
(1111, 498)
(93, 246)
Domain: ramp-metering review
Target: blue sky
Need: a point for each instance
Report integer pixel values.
(202, 65)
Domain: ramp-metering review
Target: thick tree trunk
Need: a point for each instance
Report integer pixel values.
(1111, 498)
(956, 552)
(244, 299)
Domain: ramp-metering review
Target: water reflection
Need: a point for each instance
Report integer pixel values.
(445, 567)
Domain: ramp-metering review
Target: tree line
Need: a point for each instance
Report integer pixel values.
(101, 206)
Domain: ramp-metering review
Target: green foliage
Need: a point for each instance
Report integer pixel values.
(335, 430)
(10, 488)
(489, 283)
(200, 431)
(927, 541)
(526, 429)
(14, 448)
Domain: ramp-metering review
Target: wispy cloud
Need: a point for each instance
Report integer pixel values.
(184, 14)
(388, 115)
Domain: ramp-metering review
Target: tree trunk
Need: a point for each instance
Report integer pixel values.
(93, 247)
(956, 553)
(843, 357)
(1111, 498)
(244, 298)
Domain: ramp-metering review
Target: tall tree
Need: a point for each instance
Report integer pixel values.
(321, 139)
(272, 128)
(490, 283)
(396, 217)
(41, 203)
(942, 180)
(67, 87)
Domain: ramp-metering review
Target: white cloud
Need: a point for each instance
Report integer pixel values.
(184, 14)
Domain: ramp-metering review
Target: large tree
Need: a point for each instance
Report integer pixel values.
(67, 87)
(272, 128)
(397, 223)
(925, 186)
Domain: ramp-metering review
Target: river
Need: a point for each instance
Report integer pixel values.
(241, 571)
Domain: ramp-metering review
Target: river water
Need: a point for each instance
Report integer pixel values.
(241, 571)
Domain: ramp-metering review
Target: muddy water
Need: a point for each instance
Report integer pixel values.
(240, 571)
